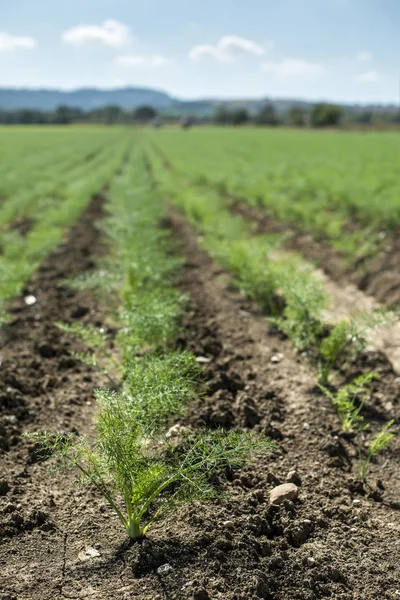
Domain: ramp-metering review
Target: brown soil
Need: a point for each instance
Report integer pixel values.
(378, 276)
(337, 540)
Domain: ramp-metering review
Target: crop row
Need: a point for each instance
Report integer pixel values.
(286, 289)
(140, 470)
(343, 189)
(54, 212)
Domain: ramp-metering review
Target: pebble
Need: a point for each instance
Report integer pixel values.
(228, 524)
(286, 491)
(203, 359)
(164, 569)
(30, 300)
(277, 358)
(88, 553)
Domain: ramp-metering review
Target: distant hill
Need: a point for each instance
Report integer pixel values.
(132, 97)
(86, 99)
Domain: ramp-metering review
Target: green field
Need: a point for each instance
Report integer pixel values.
(227, 406)
(341, 186)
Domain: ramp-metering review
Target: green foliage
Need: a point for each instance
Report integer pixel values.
(376, 446)
(325, 115)
(305, 299)
(144, 113)
(332, 349)
(344, 401)
(97, 339)
(320, 182)
(348, 338)
(253, 273)
(143, 476)
(131, 460)
(348, 402)
(55, 183)
(160, 385)
(296, 116)
(267, 115)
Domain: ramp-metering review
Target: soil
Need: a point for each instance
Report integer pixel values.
(337, 539)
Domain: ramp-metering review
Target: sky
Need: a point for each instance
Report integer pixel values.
(339, 50)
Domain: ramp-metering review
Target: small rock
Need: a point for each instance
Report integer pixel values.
(88, 553)
(203, 359)
(228, 524)
(30, 300)
(286, 491)
(164, 569)
(306, 426)
(293, 477)
(277, 358)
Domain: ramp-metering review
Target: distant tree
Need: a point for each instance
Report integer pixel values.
(296, 116)
(365, 116)
(240, 116)
(222, 115)
(27, 116)
(62, 115)
(267, 115)
(326, 115)
(144, 113)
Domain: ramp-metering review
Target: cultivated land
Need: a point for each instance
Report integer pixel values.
(204, 315)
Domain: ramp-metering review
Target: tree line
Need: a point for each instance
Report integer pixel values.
(64, 115)
(318, 115)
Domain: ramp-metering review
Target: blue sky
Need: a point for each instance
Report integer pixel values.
(343, 50)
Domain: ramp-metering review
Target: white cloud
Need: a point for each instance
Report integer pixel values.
(227, 48)
(10, 42)
(368, 77)
(293, 67)
(143, 61)
(233, 45)
(364, 56)
(110, 33)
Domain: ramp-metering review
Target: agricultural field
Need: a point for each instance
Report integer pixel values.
(200, 364)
